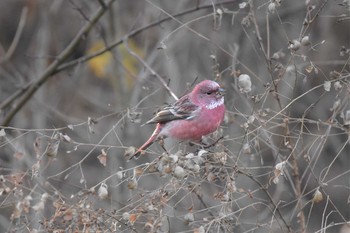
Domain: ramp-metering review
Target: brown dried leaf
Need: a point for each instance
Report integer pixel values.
(138, 171)
(132, 218)
(68, 215)
(103, 157)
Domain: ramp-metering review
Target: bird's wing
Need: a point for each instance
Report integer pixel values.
(181, 109)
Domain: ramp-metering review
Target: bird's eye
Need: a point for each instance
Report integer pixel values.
(209, 93)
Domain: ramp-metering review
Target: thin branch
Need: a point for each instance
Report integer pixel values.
(149, 68)
(263, 188)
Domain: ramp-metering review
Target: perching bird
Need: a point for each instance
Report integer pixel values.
(192, 116)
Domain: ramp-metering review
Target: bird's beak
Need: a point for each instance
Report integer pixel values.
(221, 92)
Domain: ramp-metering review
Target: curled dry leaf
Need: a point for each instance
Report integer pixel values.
(91, 124)
(103, 157)
(318, 197)
(132, 184)
(278, 171)
(132, 218)
(138, 171)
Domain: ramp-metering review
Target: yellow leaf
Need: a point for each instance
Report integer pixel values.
(99, 65)
(130, 63)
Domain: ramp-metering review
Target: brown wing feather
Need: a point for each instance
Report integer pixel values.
(181, 109)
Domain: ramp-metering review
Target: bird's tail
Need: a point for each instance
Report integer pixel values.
(148, 143)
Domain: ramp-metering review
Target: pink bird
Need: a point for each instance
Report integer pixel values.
(192, 116)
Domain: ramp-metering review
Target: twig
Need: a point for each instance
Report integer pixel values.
(268, 196)
(149, 68)
(266, 54)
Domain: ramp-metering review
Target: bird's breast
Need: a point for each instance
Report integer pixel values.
(205, 122)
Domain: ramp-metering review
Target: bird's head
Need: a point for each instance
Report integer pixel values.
(208, 93)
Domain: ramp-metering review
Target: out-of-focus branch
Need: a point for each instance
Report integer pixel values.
(136, 32)
(149, 68)
(18, 34)
(264, 189)
(63, 66)
(52, 68)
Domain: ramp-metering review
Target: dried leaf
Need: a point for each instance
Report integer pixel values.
(318, 197)
(278, 171)
(132, 218)
(103, 157)
(138, 171)
(132, 184)
(91, 123)
(68, 215)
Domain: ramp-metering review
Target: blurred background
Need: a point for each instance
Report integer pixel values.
(79, 78)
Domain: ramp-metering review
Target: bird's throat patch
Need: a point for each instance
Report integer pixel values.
(215, 104)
